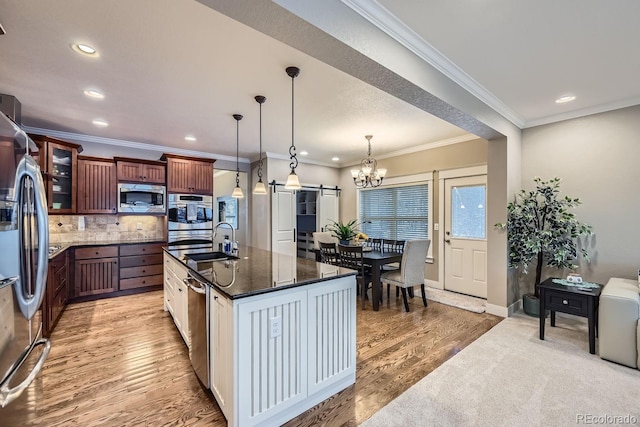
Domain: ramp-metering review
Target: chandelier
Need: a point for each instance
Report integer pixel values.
(368, 175)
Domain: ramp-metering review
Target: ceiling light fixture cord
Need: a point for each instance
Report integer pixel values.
(260, 99)
(237, 192)
(293, 183)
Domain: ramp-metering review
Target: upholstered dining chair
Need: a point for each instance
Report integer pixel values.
(329, 253)
(391, 245)
(411, 272)
(351, 257)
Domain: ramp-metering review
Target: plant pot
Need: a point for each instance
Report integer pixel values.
(344, 242)
(531, 306)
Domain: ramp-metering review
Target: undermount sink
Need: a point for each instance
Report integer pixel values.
(211, 256)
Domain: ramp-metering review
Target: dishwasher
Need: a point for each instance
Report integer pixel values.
(198, 313)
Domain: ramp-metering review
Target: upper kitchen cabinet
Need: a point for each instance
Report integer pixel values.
(59, 164)
(97, 186)
(189, 175)
(141, 171)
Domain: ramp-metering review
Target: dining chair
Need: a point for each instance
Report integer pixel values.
(328, 253)
(411, 272)
(375, 244)
(322, 236)
(351, 257)
(391, 245)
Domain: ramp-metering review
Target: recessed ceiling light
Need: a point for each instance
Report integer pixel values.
(190, 138)
(565, 98)
(84, 49)
(335, 159)
(100, 122)
(92, 93)
(304, 153)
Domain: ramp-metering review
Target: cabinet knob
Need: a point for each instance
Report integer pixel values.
(215, 297)
(144, 271)
(97, 252)
(115, 262)
(565, 302)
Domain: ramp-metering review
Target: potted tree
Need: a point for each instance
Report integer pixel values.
(542, 229)
(344, 232)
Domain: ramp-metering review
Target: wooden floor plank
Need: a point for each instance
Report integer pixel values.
(122, 362)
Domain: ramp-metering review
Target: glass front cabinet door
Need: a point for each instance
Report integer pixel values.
(59, 168)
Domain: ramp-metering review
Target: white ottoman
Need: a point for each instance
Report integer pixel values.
(618, 323)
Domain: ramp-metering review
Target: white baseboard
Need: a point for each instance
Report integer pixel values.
(498, 310)
(433, 284)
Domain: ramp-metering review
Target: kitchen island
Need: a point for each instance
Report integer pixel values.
(281, 330)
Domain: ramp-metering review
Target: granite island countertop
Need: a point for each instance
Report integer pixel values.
(257, 271)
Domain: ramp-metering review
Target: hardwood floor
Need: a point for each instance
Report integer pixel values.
(122, 362)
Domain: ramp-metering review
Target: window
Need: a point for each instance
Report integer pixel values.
(400, 213)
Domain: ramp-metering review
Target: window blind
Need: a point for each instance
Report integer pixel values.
(400, 213)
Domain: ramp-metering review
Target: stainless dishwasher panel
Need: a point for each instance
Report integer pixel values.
(198, 312)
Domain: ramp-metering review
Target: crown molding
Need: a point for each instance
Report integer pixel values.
(78, 137)
(602, 108)
(382, 18)
(423, 147)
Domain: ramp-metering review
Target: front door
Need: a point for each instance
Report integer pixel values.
(465, 237)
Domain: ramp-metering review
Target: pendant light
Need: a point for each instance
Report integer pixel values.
(293, 183)
(260, 188)
(237, 192)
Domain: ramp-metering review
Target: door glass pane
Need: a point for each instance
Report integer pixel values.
(62, 174)
(468, 212)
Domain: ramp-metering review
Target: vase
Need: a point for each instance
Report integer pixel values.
(531, 306)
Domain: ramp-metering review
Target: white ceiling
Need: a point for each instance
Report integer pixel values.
(174, 67)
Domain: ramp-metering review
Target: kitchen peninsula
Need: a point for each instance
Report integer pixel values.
(281, 331)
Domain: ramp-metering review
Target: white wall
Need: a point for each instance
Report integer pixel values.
(597, 159)
(223, 184)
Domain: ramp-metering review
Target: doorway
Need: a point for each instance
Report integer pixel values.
(465, 235)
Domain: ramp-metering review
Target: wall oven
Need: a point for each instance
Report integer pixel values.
(190, 212)
(141, 198)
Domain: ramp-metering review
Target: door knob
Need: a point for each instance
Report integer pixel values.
(447, 241)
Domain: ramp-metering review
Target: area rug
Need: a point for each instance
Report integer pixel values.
(509, 377)
(466, 302)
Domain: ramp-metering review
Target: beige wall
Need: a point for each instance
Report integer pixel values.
(460, 155)
(597, 159)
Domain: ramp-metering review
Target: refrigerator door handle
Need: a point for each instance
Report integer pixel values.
(28, 168)
(7, 394)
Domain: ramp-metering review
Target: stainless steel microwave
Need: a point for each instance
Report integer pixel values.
(141, 198)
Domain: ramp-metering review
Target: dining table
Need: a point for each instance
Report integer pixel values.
(376, 259)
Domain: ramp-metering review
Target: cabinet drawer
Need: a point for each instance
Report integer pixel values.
(140, 282)
(141, 249)
(148, 270)
(140, 261)
(565, 303)
(96, 252)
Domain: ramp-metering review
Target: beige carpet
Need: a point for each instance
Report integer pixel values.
(508, 377)
(466, 302)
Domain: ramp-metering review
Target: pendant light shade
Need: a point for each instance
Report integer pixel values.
(293, 183)
(237, 192)
(260, 187)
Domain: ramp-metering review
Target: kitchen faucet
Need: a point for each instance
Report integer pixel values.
(233, 234)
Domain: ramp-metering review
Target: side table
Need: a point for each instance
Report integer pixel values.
(571, 300)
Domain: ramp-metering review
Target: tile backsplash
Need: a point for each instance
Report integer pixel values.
(64, 228)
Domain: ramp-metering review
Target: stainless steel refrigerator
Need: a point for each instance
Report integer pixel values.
(24, 244)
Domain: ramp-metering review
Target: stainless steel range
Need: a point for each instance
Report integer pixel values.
(190, 220)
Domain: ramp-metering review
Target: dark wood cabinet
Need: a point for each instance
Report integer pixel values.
(189, 175)
(56, 295)
(96, 270)
(97, 186)
(140, 265)
(144, 171)
(59, 163)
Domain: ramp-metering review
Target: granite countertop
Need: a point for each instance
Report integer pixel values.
(257, 271)
(63, 246)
